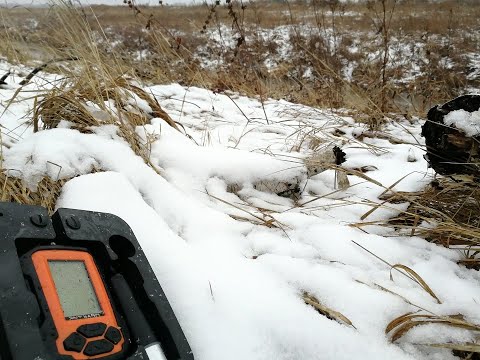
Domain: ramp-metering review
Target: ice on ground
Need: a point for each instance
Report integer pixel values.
(234, 263)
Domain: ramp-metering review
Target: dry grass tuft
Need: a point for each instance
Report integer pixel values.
(90, 103)
(445, 213)
(55, 108)
(46, 193)
(98, 89)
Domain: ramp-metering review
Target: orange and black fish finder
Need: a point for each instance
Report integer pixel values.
(78, 286)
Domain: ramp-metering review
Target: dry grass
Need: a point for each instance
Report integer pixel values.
(325, 311)
(401, 325)
(404, 323)
(445, 213)
(90, 103)
(45, 194)
(174, 48)
(98, 90)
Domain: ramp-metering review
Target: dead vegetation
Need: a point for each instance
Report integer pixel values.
(445, 213)
(45, 193)
(325, 311)
(84, 105)
(401, 325)
(97, 91)
(101, 89)
(375, 57)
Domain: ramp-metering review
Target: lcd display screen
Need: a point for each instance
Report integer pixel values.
(74, 288)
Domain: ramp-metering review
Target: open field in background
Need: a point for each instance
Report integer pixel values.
(322, 53)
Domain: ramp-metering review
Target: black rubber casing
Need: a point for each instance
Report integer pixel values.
(27, 331)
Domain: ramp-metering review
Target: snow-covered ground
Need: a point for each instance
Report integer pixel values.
(235, 284)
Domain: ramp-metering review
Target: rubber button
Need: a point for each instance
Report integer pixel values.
(98, 347)
(92, 330)
(114, 335)
(74, 342)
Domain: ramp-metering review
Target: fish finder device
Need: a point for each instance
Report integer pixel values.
(78, 286)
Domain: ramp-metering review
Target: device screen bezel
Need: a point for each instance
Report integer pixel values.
(66, 326)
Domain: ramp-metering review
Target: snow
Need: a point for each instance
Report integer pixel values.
(467, 122)
(236, 286)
